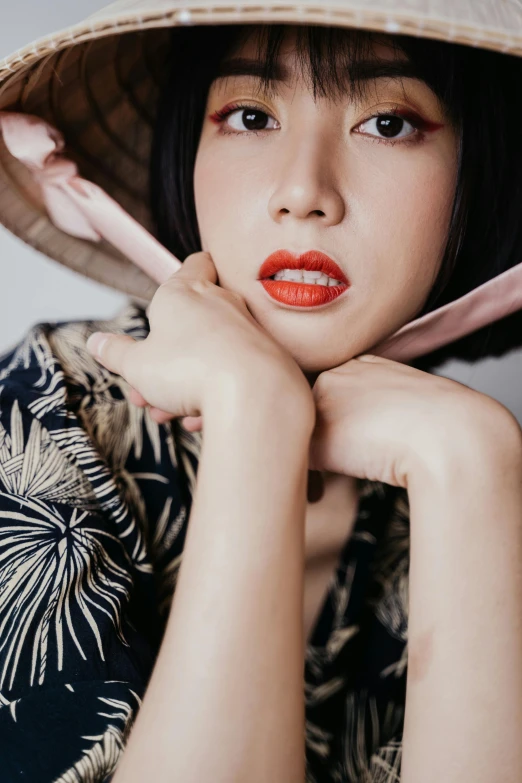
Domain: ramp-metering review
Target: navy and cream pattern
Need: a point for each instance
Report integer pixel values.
(95, 499)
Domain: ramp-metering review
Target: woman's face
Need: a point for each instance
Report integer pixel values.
(296, 173)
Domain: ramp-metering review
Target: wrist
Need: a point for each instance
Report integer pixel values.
(263, 402)
(487, 443)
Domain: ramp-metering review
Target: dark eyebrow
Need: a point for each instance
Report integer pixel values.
(360, 71)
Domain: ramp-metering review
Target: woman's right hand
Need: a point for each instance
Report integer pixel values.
(202, 340)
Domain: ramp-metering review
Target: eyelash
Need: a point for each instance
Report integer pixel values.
(417, 122)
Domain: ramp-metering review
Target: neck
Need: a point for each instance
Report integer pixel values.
(332, 513)
(330, 490)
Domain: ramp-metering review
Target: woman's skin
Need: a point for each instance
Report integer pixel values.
(279, 391)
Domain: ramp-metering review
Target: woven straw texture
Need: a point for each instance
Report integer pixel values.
(98, 83)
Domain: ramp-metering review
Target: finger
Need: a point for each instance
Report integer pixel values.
(192, 423)
(198, 266)
(160, 416)
(136, 398)
(111, 350)
(371, 357)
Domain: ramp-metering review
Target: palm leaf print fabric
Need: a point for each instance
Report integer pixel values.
(95, 500)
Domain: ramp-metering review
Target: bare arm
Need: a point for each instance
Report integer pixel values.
(226, 699)
(463, 721)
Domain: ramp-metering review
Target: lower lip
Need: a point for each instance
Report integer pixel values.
(302, 294)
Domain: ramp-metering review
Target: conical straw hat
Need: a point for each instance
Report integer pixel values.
(98, 82)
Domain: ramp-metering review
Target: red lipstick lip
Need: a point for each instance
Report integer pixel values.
(302, 294)
(312, 260)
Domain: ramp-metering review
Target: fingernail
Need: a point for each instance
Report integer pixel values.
(96, 342)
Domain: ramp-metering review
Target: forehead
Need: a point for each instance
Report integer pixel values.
(330, 60)
(257, 41)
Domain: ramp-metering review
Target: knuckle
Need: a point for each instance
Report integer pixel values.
(174, 286)
(170, 284)
(199, 254)
(201, 286)
(184, 284)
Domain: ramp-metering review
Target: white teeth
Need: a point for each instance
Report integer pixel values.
(305, 276)
(295, 275)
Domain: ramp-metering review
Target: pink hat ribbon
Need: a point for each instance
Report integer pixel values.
(82, 209)
(76, 206)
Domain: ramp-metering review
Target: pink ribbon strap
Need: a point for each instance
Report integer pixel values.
(76, 206)
(82, 209)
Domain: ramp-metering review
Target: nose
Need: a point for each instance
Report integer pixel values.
(307, 184)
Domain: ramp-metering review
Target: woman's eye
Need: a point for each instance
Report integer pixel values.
(387, 126)
(250, 120)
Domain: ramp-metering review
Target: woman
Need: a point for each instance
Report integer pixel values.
(287, 151)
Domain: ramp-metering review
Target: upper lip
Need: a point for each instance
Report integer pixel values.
(312, 260)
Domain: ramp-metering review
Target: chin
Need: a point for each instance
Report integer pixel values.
(318, 364)
(307, 347)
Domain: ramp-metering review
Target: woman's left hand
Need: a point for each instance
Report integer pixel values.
(380, 420)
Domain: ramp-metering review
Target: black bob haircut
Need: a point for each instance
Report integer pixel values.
(482, 94)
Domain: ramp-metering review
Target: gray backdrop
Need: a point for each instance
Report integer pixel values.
(37, 289)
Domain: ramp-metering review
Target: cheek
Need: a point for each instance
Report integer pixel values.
(209, 195)
(425, 201)
(227, 194)
(400, 222)
(412, 203)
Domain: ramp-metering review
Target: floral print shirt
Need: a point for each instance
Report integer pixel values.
(95, 500)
